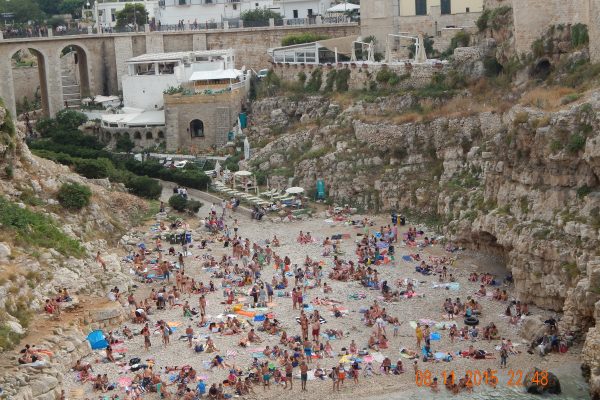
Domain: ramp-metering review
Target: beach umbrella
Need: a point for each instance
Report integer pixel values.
(246, 148)
(294, 190)
(345, 360)
(243, 173)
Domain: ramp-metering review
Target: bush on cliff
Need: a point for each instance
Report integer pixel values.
(74, 196)
(26, 227)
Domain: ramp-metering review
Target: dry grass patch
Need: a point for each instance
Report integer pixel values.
(546, 98)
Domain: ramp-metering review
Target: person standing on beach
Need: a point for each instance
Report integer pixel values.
(303, 375)
(146, 335)
(289, 374)
(503, 356)
(419, 335)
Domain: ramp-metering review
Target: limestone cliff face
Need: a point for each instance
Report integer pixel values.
(523, 184)
(34, 273)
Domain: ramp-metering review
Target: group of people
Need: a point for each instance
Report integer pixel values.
(240, 274)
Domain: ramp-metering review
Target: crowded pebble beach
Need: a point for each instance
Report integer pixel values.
(325, 307)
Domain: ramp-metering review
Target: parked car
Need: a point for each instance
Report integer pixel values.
(262, 73)
(180, 164)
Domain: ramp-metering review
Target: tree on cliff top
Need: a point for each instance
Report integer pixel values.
(132, 14)
(260, 14)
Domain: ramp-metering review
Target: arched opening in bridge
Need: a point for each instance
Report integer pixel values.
(75, 75)
(29, 80)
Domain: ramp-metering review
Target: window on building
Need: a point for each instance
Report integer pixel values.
(420, 7)
(295, 12)
(446, 7)
(468, 9)
(235, 6)
(310, 12)
(197, 128)
(161, 135)
(137, 136)
(113, 14)
(149, 135)
(182, 2)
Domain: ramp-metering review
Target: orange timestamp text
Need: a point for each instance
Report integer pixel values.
(473, 378)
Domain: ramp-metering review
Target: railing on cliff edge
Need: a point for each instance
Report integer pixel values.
(36, 33)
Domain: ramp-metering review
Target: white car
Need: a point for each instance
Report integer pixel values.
(262, 73)
(180, 164)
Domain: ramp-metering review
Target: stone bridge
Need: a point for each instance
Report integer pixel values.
(101, 57)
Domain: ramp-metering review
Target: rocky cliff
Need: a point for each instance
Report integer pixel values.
(62, 256)
(522, 184)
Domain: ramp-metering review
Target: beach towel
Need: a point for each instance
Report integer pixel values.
(435, 336)
(407, 258)
(377, 357)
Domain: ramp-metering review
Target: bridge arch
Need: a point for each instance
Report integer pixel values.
(42, 66)
(75, 74)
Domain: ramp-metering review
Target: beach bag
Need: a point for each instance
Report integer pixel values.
(134, 360)
(199, 348)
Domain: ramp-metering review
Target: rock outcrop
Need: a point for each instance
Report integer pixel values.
(522, 184)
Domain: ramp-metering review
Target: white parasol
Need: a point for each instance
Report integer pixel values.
(243, 173)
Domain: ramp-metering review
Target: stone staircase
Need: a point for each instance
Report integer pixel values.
(70, 85)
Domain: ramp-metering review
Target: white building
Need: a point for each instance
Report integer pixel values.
(170, 12)
(149, 75)
(105, 11)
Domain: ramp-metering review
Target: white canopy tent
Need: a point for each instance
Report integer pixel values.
(294, 190)
(343, 7)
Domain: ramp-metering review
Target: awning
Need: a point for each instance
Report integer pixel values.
(215, 75)
(343, 44)
(343, 7)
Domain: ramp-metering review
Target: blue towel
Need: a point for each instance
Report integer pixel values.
(407, 258)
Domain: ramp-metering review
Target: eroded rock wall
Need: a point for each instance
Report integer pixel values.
(523, 184)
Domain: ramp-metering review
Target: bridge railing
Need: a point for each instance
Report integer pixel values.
(199, 26)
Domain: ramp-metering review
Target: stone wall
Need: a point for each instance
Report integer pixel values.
(217, 112)
(532, 18)
(27, 81)
(594, 30)
(381, 20)
(251, 45)
(361, 74)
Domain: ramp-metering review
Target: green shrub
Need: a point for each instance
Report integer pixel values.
(461, 39)
(193, 206)
(315, 81)
(583, 191)
(260, 14)
(68, 119)
(35, 229)
(74, 196)
(330, 81)
(177, 202)
(482, 21)
(302, 77)
(124, 143)
(93, 169)
(579, 35)
(576, 143)
(299, 38)
(144, 187)
(341, 80)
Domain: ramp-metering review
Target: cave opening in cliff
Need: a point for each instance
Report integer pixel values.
(491, 254)
(542, 69)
